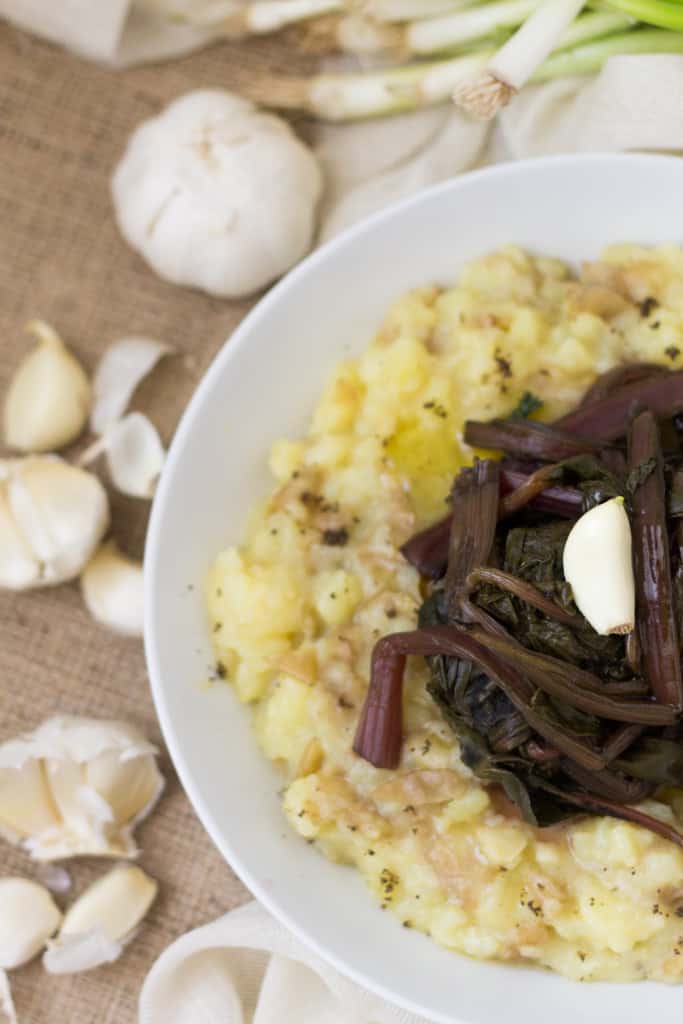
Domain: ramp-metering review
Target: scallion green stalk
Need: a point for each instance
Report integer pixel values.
(653, 12)
(260, 16)
(584, 60)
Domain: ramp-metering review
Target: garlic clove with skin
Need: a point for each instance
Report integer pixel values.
(77, 786)
(28, 918)
(101, 921)
(49, 397)
(598, 564)
(113, 590)
(19, 569)
(52, 512)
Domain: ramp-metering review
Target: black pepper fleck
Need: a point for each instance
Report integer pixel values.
(647, 305)
(503, 364)
(391, 613)
(672, 352)
(336, 538)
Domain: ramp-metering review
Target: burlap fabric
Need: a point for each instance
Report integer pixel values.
(63, 123)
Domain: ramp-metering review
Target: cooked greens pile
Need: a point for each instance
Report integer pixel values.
(565, 720)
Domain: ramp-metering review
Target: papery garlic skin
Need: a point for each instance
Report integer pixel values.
(113, 590)
(52, 517)
(134, 454)
(28, 918)
(598, 563)
(122, 367)
(77, 786)
(101, 920)
(49, 397)
(216, 194)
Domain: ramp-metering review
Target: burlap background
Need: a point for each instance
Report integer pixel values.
(63, 123)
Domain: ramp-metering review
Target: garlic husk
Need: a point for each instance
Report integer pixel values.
(28, 918)
(75, 953)
(134, 453)
(597, 562)
(49, 397)
(52, 517)
(6, 1002)
(54, 877)
(77, 786)
(113, 590)
(101, 921)
(122, 367)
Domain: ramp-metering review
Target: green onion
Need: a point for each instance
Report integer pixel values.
(493, 86)
(584, 60)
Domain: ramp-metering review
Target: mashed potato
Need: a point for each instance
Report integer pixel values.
(296, 610)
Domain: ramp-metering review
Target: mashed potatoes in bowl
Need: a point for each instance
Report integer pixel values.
(296, 610)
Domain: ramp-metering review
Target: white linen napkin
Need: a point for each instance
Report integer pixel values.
(245, 968)
(635, 102)
(118, 32)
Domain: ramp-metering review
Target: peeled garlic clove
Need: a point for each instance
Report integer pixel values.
(134, 452)
(49, 397)
(113, 590)
(77, 786)
(26, 804)
(60, 511)
(103, 917)
(6, 1001)
(122, 367)
(598, 564)
(28, 917)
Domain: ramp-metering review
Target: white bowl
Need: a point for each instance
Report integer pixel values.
(263, 385)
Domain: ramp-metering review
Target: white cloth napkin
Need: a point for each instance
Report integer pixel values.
(636, 102)
(118, 32)
(245, 968)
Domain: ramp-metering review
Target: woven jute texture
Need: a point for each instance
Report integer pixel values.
(63, 125)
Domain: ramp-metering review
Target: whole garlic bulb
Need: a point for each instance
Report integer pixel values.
(49, 398)
(77, 786)
(52, 517)
(217, 195)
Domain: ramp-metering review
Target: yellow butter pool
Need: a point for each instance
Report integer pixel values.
(296, 610)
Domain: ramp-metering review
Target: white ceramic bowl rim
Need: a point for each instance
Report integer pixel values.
(172, 729)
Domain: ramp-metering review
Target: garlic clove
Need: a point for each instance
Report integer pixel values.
(598, 564)
(49, 397)
(6, 1002)
(99, 780)
(61, 512)
(113, 590)
(28, 917)
(101, 920)
(134, 452)
(26, 803)
(122, 367)
(19, 569)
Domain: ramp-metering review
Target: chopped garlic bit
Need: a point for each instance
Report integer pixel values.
(112, 586)
(28, 918)
(122, 367)
(52, 517)
(101, 921)
(598, 564)
(77, 786)
(49, 397)
(134, 453)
